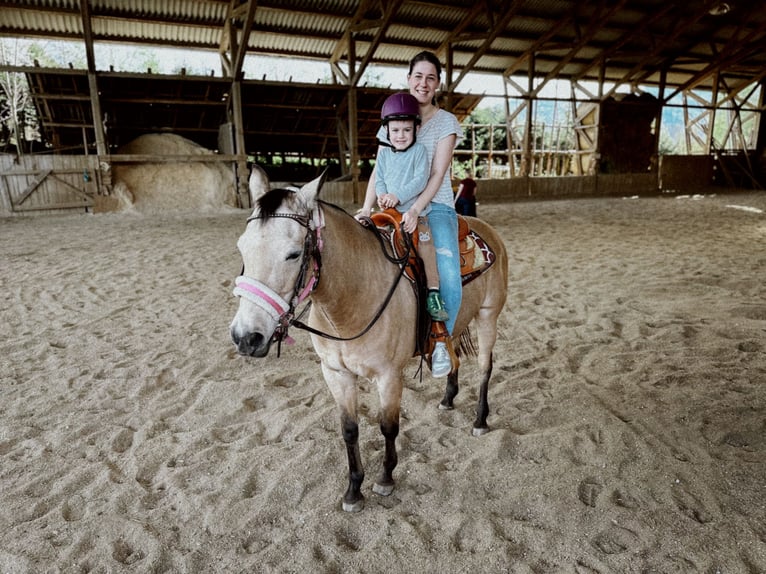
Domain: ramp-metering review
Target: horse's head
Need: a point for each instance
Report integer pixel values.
(278, 246)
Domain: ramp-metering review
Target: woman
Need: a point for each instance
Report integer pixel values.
(439, 133)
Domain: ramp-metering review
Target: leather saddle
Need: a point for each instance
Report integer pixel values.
(475, 255)
(475, 258)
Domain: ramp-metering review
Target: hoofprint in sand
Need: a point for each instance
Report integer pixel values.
(628, 406)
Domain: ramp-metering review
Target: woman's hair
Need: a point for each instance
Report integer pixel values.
(426, 56)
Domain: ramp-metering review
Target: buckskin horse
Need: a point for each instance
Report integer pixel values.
(362, 317)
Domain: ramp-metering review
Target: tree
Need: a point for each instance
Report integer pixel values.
(14, 93)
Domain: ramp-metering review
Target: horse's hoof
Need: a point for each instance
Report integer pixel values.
(479, 431)
(383, 489)
(443, 407)
(353, 506)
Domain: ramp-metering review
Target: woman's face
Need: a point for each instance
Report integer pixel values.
(423, 82)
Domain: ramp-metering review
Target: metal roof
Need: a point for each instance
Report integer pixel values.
(683, 43)
(691, 41)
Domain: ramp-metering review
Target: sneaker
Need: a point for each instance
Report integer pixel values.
(435, 306)
(441, 364)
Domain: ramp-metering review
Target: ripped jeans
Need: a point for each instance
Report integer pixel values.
(443, 221)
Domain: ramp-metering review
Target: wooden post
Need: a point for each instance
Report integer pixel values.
(353, 136)
(240, 172)
(526, 164)
(709, 143)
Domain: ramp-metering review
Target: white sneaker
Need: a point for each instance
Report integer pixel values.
(441, 364)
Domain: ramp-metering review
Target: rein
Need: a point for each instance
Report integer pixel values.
(284, 312)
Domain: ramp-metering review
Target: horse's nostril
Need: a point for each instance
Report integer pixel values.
(248, 344)
(254, 340)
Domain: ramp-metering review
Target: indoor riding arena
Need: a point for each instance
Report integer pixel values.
(627, 406)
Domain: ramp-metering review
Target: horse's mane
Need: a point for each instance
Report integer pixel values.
(272, 200)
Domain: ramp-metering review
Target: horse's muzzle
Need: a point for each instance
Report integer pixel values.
(251, 344)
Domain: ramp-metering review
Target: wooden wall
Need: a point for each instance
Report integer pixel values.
(47, 183)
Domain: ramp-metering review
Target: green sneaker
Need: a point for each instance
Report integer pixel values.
(435, 306)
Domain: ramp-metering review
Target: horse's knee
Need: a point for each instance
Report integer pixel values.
(350, 430)
(389, 429)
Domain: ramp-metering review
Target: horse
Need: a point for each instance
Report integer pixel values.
(362, 318)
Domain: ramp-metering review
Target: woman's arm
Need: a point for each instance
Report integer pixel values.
(370, 196)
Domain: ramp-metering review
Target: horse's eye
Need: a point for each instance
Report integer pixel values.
(293, 255)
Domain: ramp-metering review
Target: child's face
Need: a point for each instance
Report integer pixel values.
(401, 133)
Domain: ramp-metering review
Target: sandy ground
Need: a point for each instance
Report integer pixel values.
(628, 406)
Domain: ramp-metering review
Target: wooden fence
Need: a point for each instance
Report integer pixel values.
(48, 183)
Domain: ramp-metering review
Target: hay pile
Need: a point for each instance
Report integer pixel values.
(169, 186)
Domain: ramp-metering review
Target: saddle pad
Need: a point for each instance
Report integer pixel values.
(475, 257)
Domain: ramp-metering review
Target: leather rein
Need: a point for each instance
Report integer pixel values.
(307, 282)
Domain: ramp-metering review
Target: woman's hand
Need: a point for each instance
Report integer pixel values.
(410, 220)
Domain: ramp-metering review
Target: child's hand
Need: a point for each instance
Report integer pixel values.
(388, 200)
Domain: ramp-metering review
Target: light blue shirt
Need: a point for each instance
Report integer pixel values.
(402, 173)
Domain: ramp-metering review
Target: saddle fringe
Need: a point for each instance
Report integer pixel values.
(466, 345)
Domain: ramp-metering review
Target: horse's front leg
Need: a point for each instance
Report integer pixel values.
(390, 391)
(353, 500)
(342, 385)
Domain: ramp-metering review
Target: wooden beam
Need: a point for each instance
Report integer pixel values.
(637, 31)
(457, 34)
(537, 44)
(239, 57)
(33, 185)
(593, 29)
(497, 26)
(736, 50)
(389, 12)
(668, 40)
(87, 35)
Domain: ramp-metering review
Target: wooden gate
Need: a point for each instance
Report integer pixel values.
(48, 183)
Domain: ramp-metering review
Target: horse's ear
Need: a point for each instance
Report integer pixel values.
(310, 191)
(258, 183)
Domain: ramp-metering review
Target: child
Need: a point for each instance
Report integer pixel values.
(402, 170)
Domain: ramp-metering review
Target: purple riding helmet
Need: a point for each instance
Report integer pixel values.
(400, 106)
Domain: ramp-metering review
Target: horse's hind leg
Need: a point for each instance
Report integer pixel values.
(487, 335)
(480, 425)
(450, 391)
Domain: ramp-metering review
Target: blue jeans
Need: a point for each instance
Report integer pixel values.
(443, 221)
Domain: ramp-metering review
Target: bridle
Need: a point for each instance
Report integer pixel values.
(269, 300)
(283, 311)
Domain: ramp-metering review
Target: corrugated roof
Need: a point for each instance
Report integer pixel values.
(633, 34)
(690, 43)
